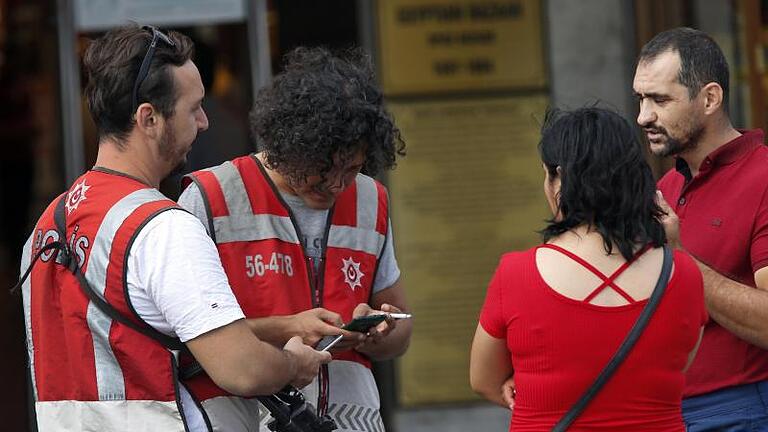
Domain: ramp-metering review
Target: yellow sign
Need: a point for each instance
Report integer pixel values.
(432, 46)
(469, 190)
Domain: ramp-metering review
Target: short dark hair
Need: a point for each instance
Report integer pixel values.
(701, 59)
(111, 65)
(324, 106)
(606, 182)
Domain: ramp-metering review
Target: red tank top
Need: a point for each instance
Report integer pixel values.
(559, 345)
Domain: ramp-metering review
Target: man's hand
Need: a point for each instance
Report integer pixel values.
(353, 339)
(669, 221)
(375, 334)
(508, 392)
(307, 361)
(313, 324)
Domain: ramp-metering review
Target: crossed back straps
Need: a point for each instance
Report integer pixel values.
(607, 280)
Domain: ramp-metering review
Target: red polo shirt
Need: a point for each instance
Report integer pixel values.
(723, 215)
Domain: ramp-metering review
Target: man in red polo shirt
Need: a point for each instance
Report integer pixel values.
(718, 212)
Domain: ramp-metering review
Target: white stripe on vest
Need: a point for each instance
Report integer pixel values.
(364, 237)
(232, 184)
(251, 227)
(367, 202)
(109, 375)
(359, 239)
(112, 416)
(242, 225)
(26, 298)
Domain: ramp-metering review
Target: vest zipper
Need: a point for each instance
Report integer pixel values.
(324, 377)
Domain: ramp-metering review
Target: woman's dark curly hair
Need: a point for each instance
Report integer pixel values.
(606, 182)
(322, 107)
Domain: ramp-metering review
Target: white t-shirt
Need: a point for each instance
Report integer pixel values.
(177, 285)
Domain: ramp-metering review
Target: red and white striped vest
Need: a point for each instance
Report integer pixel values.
(88, 371)
(264, 259)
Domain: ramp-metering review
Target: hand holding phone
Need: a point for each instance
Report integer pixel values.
(327, 342)
(364, 323)
(360, 324)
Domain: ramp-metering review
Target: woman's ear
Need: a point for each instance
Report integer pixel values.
(552, 190)
(557, 183)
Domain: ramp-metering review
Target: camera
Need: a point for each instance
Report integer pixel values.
(291, 413)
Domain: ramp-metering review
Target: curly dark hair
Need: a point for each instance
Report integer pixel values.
(111, 64)
(606, 182)
(324, 107)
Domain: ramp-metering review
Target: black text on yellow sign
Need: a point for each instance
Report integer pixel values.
(453, 45)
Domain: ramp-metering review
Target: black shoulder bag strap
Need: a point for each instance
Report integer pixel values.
(624, 348)
(60, 245)
(70, 261)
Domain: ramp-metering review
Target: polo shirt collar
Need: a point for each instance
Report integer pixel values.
(728, 153)
(737, 148)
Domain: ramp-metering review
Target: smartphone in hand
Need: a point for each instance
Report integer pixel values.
(360, 324)
(328, 342)
(364, 323)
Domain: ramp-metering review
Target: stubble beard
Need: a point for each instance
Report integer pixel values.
(676, 146)
(170, 153)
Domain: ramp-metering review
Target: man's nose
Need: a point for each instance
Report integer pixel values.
(646, 116)
(202, 121)
(337, 184)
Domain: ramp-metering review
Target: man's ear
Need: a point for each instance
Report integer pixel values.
(147, 119)
(713, 97)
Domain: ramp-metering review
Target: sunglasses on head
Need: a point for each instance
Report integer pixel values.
(144, 69)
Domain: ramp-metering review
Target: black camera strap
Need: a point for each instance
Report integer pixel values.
(624, 349)
(58, 245)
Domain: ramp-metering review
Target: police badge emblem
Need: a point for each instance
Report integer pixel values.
(352, 273)
(76, 196)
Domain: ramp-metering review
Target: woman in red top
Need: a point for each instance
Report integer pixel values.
(554, 315)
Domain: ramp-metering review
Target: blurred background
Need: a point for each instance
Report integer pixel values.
(468, 82)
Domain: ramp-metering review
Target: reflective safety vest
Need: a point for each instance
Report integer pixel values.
(89, 371)
(261, 248)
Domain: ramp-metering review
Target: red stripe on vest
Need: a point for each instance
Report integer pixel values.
(261, 203)
(52, 342)
(345, 208)
(382, 222)
(64, 360)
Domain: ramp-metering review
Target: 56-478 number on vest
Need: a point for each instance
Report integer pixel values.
(255, 265)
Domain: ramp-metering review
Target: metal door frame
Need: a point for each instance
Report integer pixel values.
(69, 75)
